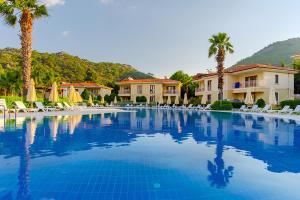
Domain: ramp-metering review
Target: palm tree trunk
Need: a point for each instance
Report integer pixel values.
(26, 24)
(220, 69)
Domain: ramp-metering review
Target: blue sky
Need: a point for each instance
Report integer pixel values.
(159, 36)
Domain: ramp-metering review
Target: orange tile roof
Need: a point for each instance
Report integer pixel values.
(244, 68)
(84, 85)
(152, 80)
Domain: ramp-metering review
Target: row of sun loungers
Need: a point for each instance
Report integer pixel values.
(268, 109)
(19, 106)
(174, 107)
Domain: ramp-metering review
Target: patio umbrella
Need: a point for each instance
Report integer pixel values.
(53, 97)
(78, 97)
(115, 100)
(90, 101)
(31, 93)
(176, 100)
(72, 95)
(102, 100)
(203, 100)
(185, 100)
(160, 101)
(249, 99)
(272, 97)
(169, 100)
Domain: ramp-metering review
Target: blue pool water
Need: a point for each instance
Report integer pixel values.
(150, 154)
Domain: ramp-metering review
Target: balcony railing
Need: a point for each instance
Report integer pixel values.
(124, 91)
(200, 89)
(246, 84)
(170, 92)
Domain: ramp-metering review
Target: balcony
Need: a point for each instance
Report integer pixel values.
(124, 92)
(200, 90)
(253, 85)
(170, 92)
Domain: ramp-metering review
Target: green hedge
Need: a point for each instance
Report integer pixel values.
(221, 105)
(237, 105)
(141, 99)
(261, 103)
(291, 103)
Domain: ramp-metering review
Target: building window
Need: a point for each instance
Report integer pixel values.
(139, 89)
(171, 90)
(250, 81)
(277, 97)
(152, 89)
(152, 99)
(209, 98)
(209, 83)
(276, 79)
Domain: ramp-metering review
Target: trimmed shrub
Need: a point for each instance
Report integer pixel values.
(141, 99)
(221, 105)
(292, 103)
(237, 105)
(195, 101)
(261, 103)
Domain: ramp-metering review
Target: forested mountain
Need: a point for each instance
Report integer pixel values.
(49, 67)
(278, 53)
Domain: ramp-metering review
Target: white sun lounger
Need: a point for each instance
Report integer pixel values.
(255, 108)
(207, 107)
(3, 105)
(296, 110)
(285, 109)
(40, 106)
(267, 108)
(19, 105)
(244, 108)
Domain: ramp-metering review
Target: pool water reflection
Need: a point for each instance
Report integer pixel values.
(150, 154)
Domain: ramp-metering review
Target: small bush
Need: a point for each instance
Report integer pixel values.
(195, 101)
(292, 103)
(261, 103)
(221, 105)
(141, 99)
(236, 104)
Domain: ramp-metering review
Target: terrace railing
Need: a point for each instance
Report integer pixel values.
(124, 91)
(246, 84)
(170, 92)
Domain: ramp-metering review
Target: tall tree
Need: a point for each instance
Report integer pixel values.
(219, 46)
(24, 12)
(187, 82)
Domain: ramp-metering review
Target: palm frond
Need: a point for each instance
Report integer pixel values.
(40, 11)
(10, 20)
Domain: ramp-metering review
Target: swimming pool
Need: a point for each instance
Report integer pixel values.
(150, 154)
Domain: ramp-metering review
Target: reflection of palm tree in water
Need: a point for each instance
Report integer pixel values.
(23, 178)
(219, 174)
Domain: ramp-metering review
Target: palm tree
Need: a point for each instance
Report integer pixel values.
(220, 44)
(24, 12)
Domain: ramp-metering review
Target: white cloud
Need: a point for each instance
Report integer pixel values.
(65, 33)
(50, 3)
(106, 1)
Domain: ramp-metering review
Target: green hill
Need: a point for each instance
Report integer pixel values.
(49, 67)
(278, 53)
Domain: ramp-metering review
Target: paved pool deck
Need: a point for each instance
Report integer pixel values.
(85, 111)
